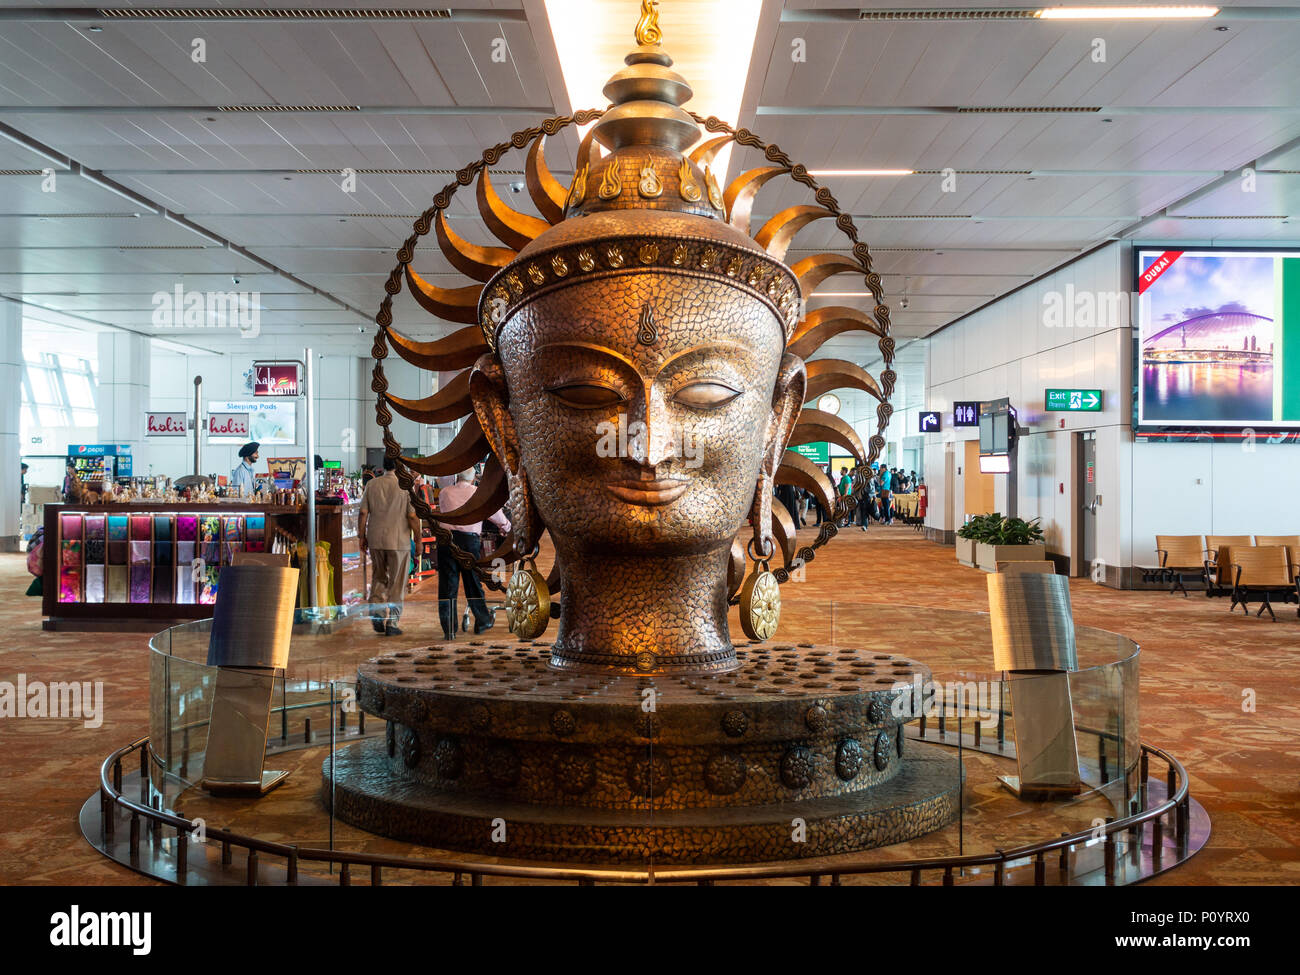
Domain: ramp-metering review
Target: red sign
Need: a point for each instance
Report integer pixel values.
(227, 424)
(1158, 267)
(165, 424)
(275, 379)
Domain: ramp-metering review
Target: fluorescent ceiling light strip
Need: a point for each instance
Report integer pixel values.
(1126, 13)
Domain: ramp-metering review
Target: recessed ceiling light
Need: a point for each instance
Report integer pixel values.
(1126, 13)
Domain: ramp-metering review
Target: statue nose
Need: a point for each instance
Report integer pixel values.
(653, 442)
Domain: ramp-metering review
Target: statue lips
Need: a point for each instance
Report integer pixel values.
(649, 493)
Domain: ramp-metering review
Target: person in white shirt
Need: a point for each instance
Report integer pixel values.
(468, 538)
(241, 478)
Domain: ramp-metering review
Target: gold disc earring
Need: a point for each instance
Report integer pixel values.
(528, 600)
(760, 598)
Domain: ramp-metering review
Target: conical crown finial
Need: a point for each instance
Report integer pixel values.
(647, 95)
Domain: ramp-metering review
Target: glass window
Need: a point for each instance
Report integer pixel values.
(50, 416)
(79, 392)
(42, 388)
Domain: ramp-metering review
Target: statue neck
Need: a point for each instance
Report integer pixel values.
(644, 613)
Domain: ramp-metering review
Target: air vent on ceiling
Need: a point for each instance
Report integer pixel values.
(1274, 216)
(1028, 109)
(913, 216)
(83, 216)
(260, 109)
(270, 13)
(1005, 13)
(162, 247)
(973, 172)
(401, 172)
(22, 172)
(374, 216)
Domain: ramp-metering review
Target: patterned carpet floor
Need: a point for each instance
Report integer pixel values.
(1217, 690)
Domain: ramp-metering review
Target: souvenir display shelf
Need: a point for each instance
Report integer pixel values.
(118, 564)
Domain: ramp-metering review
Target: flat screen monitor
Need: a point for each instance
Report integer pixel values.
(994, 438)
(1217, 339)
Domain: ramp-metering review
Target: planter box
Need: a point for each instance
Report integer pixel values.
(966, 551)
(988, 556)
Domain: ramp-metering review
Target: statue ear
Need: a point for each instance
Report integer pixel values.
(787, 403)
(491, 397)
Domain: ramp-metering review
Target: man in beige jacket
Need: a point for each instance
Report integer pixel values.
(387, 522)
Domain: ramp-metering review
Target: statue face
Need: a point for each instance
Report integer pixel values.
(641, 406)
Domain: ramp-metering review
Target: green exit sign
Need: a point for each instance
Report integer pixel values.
(1073, 400)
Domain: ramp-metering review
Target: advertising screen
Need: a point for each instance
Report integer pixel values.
(1218, 338)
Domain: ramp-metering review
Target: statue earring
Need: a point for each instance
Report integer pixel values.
(760, 597)
(528, 600)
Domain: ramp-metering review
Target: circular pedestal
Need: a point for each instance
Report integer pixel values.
(796, 753)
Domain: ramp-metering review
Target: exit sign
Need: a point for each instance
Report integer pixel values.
(1073, 400)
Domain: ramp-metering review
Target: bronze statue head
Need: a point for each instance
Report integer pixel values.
(643, 410)
(642, 373)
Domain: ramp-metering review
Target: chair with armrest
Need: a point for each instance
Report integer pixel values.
(1180, 555)
(1290, 542)
(1216, 554)
(1259, 572)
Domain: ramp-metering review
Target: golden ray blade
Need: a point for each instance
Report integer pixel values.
(825, 375)
(447, 404)
(783, 530)
(704, 153)
(547, 193)
(450, 304)
(512, 228)
(466, 449)
(813, 270)
(458, 350)
(822, 324)
(798, 470)
(740, 194)
(777, 234)
(479, 263)
(814, 426)
(487, 499)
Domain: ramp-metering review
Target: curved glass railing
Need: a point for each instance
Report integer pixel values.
(970, 708)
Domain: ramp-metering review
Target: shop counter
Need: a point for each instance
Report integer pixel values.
(145, 565)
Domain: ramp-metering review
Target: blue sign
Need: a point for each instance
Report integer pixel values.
(966, 413)
(931, 421)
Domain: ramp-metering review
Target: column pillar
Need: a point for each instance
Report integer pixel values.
(11, 405)
(123, 390)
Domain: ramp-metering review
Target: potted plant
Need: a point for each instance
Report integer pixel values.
(1008, 540)
(977, 528)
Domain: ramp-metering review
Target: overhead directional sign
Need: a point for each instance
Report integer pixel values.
(1073, 400)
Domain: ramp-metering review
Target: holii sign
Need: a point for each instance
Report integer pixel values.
(165, 424)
